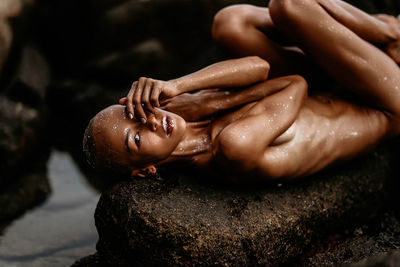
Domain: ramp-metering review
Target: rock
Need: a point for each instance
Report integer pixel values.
(24, 193)
(89, 261)
(185, 222)
(22, 110)
(31, 78)
(390, 259)
(368, 240)
(21, 129)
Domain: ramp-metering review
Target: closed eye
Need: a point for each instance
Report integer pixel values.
(137, 139)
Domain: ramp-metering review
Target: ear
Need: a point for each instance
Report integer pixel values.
(144, 172)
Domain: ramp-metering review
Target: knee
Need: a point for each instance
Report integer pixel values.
(288, 12)
(229, 22)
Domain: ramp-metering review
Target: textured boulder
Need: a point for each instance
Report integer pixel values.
(390, 259)
(89, 261)
(369, 240)
(19, 134)
(23, 193)
(183, 222)
(22, 110)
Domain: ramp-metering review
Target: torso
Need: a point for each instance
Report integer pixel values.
(326, 130)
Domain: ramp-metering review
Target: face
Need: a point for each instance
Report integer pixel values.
(133, 143)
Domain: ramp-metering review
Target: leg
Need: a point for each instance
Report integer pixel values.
(336, 46)
(243, 29)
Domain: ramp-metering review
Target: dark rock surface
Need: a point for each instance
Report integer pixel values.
(390, 259)
(23, 118)
(25, 192)
(20, 128)
(368, 240)
(89, 261)
(183, 222)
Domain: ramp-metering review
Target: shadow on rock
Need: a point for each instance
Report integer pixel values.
(24, 193)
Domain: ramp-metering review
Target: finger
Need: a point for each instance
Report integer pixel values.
(122, 101)
(129, 103)
(146, 96)
(155, 95)
(137, 98)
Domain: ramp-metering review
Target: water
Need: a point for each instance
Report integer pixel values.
(61, 230)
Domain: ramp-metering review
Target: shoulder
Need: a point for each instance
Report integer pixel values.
(242, 154)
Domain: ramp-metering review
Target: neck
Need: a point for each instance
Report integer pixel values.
(195, 144)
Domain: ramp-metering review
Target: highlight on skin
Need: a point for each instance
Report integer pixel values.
(268, 127)
(113, 141)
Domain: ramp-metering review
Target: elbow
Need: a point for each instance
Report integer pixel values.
(262, 66)
(300, 84)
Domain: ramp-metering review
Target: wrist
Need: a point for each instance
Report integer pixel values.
(179, 85)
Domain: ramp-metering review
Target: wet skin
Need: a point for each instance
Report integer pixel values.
(295, 136)
(273, 130)
(135, 143)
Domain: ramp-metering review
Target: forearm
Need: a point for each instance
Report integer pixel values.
(223, 100)
(225, 74)
(368, 27)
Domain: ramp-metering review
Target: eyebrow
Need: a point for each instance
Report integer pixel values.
(127, 140)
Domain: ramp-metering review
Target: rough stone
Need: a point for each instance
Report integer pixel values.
(390, 259)
(30, 79)
(22, 110)
(182, 221)
(369, 240)
(20, 132)
(89, 261)
(24, 193)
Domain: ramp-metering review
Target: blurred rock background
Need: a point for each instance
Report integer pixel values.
(62, 61)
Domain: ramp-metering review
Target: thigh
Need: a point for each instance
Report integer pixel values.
(353, 62)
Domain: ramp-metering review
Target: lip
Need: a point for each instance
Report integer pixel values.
(168, 125)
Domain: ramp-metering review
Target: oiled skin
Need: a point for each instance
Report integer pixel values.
(277, 131)
(325, 130)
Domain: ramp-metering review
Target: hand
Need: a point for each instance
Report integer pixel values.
(147, 93)
(393, 47)
(392, 23)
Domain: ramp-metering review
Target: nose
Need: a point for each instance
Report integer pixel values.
(152, 122)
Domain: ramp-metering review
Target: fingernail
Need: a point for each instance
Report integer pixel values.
(143, 120)
(130, 115)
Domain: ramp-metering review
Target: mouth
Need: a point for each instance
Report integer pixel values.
(168, 125)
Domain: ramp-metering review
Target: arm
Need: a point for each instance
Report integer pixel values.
(193, 107)
(224, 74)
(246, 140)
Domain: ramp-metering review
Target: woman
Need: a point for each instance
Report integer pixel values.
(269, 128)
